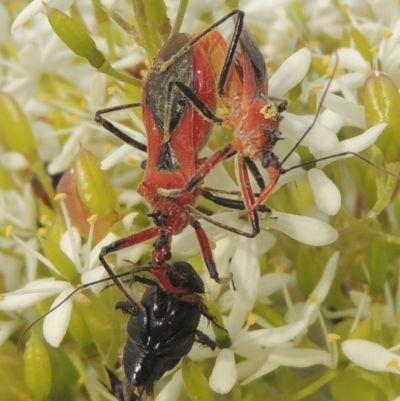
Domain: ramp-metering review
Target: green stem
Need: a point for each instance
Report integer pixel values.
(361, 227)
(106, 68)
(126, 26)
(145, 38)
(317, 384)
(82, 370)
(179, 17)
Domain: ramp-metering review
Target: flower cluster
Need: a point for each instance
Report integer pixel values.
(317, 289)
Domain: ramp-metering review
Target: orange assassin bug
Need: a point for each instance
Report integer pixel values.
(177, 130)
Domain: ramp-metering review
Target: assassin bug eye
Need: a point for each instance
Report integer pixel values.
(273, 137)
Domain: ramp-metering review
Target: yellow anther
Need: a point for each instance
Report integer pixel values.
(387, 34)
(333, 337)
(60, 196)
(42, 232)
(313, 298)
(393, 363)
(92, 219)
(9, 230)
(374, 49)
(251, 318)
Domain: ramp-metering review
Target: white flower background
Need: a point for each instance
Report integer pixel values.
(303, 285)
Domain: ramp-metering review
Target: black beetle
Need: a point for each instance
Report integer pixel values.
(161, 331)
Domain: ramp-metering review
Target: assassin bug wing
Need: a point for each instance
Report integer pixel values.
(154, 99)
(214, 46)
(255, 77)
(170, 108)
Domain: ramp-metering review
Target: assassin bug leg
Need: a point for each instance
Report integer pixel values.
(243, 87)
(177, 131)
(116, 131)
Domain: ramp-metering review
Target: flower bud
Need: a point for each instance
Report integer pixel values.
(15, 129)
(18, 136)
(75, 36)
(196, 384)
(37, 368)
(382, 104)
(77, 210)
(94, 187)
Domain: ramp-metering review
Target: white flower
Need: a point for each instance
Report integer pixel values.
(37, 6)
(57, 320)
(371, 356)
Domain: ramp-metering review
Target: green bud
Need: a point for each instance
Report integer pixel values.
(75, 36)
(94, 187)
(18, 136)
(382, 104)
(15, 129)
(196, 384)
(37, 368)
(77, 210)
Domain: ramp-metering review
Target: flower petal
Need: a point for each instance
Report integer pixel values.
(266, 368)
(172, 389)
(321, 290)
(303, 229)
(246, 271)
(6, 329)
(56, 323)
(32, 293)
(320, 137)
(290, 73)
(371, 356)
(300, 358)
(35, 7)
(271, 337)
(224, 375)
(270, 283)
(353, 111)
(356, 144)
(326, 194)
